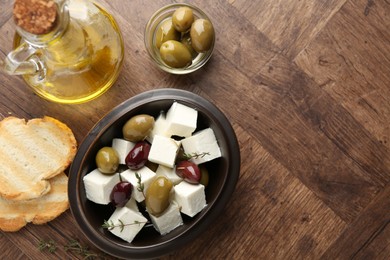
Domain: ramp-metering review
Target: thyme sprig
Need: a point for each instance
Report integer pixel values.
(141, 186)
(111, 225)
(195, 155)
(72, 246)
(49, 245)
(75, 247)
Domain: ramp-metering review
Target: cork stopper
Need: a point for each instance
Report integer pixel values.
(35, 16)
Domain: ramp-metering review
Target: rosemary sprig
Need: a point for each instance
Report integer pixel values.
(47, 245)
(110, 224)
(195, 155)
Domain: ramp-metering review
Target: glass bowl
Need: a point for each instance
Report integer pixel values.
(150, 31)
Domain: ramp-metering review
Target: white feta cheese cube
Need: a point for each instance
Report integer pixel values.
(127, 223)
(122, 147)
(169, 220)
(169, 173)
(146, 175)
(181, 120)
(132, 204)
(159, 128)
(203, 143)
(191, 198)
(163, 151)
(98, 186)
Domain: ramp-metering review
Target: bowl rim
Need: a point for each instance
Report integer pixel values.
(199, 225)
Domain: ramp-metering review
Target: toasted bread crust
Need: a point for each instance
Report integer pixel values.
(14, 215)
(32, 153)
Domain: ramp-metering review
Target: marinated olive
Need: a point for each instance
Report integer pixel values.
(175, 54)
(138, 156)
(186, 40)
(138, 127)
(121, 193)
(189, 171)
(166, 32)
(204, 178)
(202, 35)
(182, 18)
(157, 195)
(107, 160)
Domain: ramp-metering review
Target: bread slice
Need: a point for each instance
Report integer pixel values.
(31, 153)
(16, 214)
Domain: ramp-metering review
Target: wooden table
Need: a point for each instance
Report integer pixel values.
(306, 86)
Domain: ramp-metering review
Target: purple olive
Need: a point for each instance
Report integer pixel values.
(138, 156)
(189, 171)
(121, 193)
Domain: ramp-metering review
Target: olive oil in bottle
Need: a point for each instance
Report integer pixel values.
(79, 59)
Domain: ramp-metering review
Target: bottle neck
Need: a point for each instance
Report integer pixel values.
(61, 23)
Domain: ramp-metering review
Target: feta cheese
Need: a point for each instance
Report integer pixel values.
(191, 198)
(132, 204)
(168, 221)
(169, 173)
(146, 175)
(127, 223)
(202, 142)
(163, 151)
(181, 120)
(159, 128)
(122, 147)
(98, 186)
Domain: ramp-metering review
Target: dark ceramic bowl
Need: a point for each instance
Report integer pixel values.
(224, 173)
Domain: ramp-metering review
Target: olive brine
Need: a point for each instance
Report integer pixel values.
(155, 172)
(182, 37)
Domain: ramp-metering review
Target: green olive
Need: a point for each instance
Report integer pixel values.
(186, 40)
(175, 54)
(107, 160)
(138, 127)
(182, 18)
(157, 195)
(204, 179)
(165, 32)
(202, 35)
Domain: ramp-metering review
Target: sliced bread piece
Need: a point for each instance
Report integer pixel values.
(31, 153)
(16, 214)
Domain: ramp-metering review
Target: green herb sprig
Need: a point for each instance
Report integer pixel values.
(49, 245)
(75, 247)
(72, 246)
(195, 155)
(141, 186)
(110, 224)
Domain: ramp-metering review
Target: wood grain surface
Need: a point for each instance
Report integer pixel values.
(306, 86)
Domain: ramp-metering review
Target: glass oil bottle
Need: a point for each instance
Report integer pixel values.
(77, 61)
